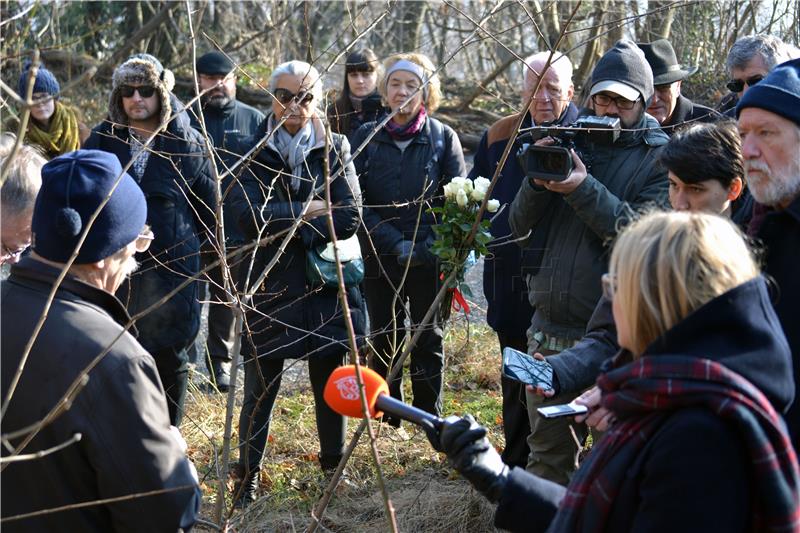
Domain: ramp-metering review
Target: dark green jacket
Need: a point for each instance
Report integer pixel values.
(577, 228)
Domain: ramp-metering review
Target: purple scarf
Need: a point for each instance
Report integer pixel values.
(403, 132)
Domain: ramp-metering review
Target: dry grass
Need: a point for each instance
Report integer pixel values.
(426, 494)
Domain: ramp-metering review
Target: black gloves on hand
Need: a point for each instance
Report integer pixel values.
(406, 252)
(470, 452)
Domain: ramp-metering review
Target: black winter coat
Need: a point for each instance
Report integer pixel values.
(181, 212)
(345, 120)
(780, 234)
(692, 475)
(226, 126)
(687, 113)
(393, 181)
(126, 445)
(291, 318)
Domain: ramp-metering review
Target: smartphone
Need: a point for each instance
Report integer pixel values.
(565, 409)
(520, 366)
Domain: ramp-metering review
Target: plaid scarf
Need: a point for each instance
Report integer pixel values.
(62, 133)
(643, 394)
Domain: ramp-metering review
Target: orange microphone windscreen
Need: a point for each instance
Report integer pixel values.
(341, 391)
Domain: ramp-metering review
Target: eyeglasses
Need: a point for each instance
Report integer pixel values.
(144, 239)
(737, 86)
(12, 256)
(621, 103)
(609, 284)
(145, 91)
(285, 97)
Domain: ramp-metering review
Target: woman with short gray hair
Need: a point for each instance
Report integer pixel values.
(293, 314)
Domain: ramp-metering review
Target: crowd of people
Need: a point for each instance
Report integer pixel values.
(655, 280)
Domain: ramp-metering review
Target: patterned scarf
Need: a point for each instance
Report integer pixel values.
(403, 132)
(61, 136)
(643, 394)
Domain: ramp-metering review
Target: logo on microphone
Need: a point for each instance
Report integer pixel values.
(348, 388)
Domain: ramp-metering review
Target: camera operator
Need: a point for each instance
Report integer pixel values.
(569, 222)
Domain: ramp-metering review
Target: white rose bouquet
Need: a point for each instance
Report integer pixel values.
(462, 199)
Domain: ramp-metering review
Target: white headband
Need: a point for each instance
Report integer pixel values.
(413, 68)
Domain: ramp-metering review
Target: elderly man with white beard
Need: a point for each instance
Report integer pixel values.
(769, 124)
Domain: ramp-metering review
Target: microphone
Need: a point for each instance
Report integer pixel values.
(341, 395)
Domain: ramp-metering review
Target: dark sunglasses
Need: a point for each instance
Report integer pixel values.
(737, 86)
(145, 91)
(285, 97)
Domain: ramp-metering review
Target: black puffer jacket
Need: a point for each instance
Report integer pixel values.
(292, 319)
(181, 212)
(393, 181)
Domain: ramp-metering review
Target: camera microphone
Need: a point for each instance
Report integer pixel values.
(342, 395)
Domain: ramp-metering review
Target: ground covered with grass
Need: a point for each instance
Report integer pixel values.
(426, 494)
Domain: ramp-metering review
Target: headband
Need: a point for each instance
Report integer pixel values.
(413, 68)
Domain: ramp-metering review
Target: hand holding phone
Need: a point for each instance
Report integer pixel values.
(521, 367)
(565, 409)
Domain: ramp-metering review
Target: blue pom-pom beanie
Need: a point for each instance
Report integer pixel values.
(779, 92)
(73, 186)
(45, 82)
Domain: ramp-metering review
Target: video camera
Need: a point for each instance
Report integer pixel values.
(554, 163)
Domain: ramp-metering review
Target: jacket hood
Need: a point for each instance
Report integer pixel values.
(740, 330)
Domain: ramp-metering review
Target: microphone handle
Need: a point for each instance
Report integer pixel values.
(395, 407)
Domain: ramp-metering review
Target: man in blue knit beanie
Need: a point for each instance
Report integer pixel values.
(86, 374)
(769, 124)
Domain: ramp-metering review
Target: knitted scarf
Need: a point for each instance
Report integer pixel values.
(294, 148)
(403, 132)
(643, 394)
(62, 135)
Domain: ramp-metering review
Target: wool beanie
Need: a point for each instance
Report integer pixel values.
(73, 186)
(140, 69)
(779, 92)
(214, 64)
(624, 64)
(45, 82)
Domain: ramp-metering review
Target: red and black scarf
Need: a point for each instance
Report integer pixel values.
(643, 394)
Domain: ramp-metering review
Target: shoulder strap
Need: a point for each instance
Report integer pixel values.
(436, 133)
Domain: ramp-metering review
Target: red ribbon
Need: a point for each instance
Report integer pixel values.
(458, 298)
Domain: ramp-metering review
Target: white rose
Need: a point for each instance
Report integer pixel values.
(492, 205)
(457, 184)
(449, 191)
(461, 198)
(482, 184)
(477, 194)
(468, 185)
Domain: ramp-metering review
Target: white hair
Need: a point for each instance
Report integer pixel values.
(560, 63)
(771, 49)
(301, 69)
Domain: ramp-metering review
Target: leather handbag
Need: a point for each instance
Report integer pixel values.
(321, 264)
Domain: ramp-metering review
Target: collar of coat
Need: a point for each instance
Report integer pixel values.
(31, 271)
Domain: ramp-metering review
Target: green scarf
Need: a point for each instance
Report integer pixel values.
(62, 135)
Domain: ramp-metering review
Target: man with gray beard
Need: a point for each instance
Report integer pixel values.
(769, 124)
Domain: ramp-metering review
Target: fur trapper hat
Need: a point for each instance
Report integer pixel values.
(141, 69)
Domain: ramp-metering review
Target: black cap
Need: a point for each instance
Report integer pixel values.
(214, 63)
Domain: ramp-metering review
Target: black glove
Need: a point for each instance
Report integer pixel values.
(470, 452)
(422, 250)
(405, 253)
